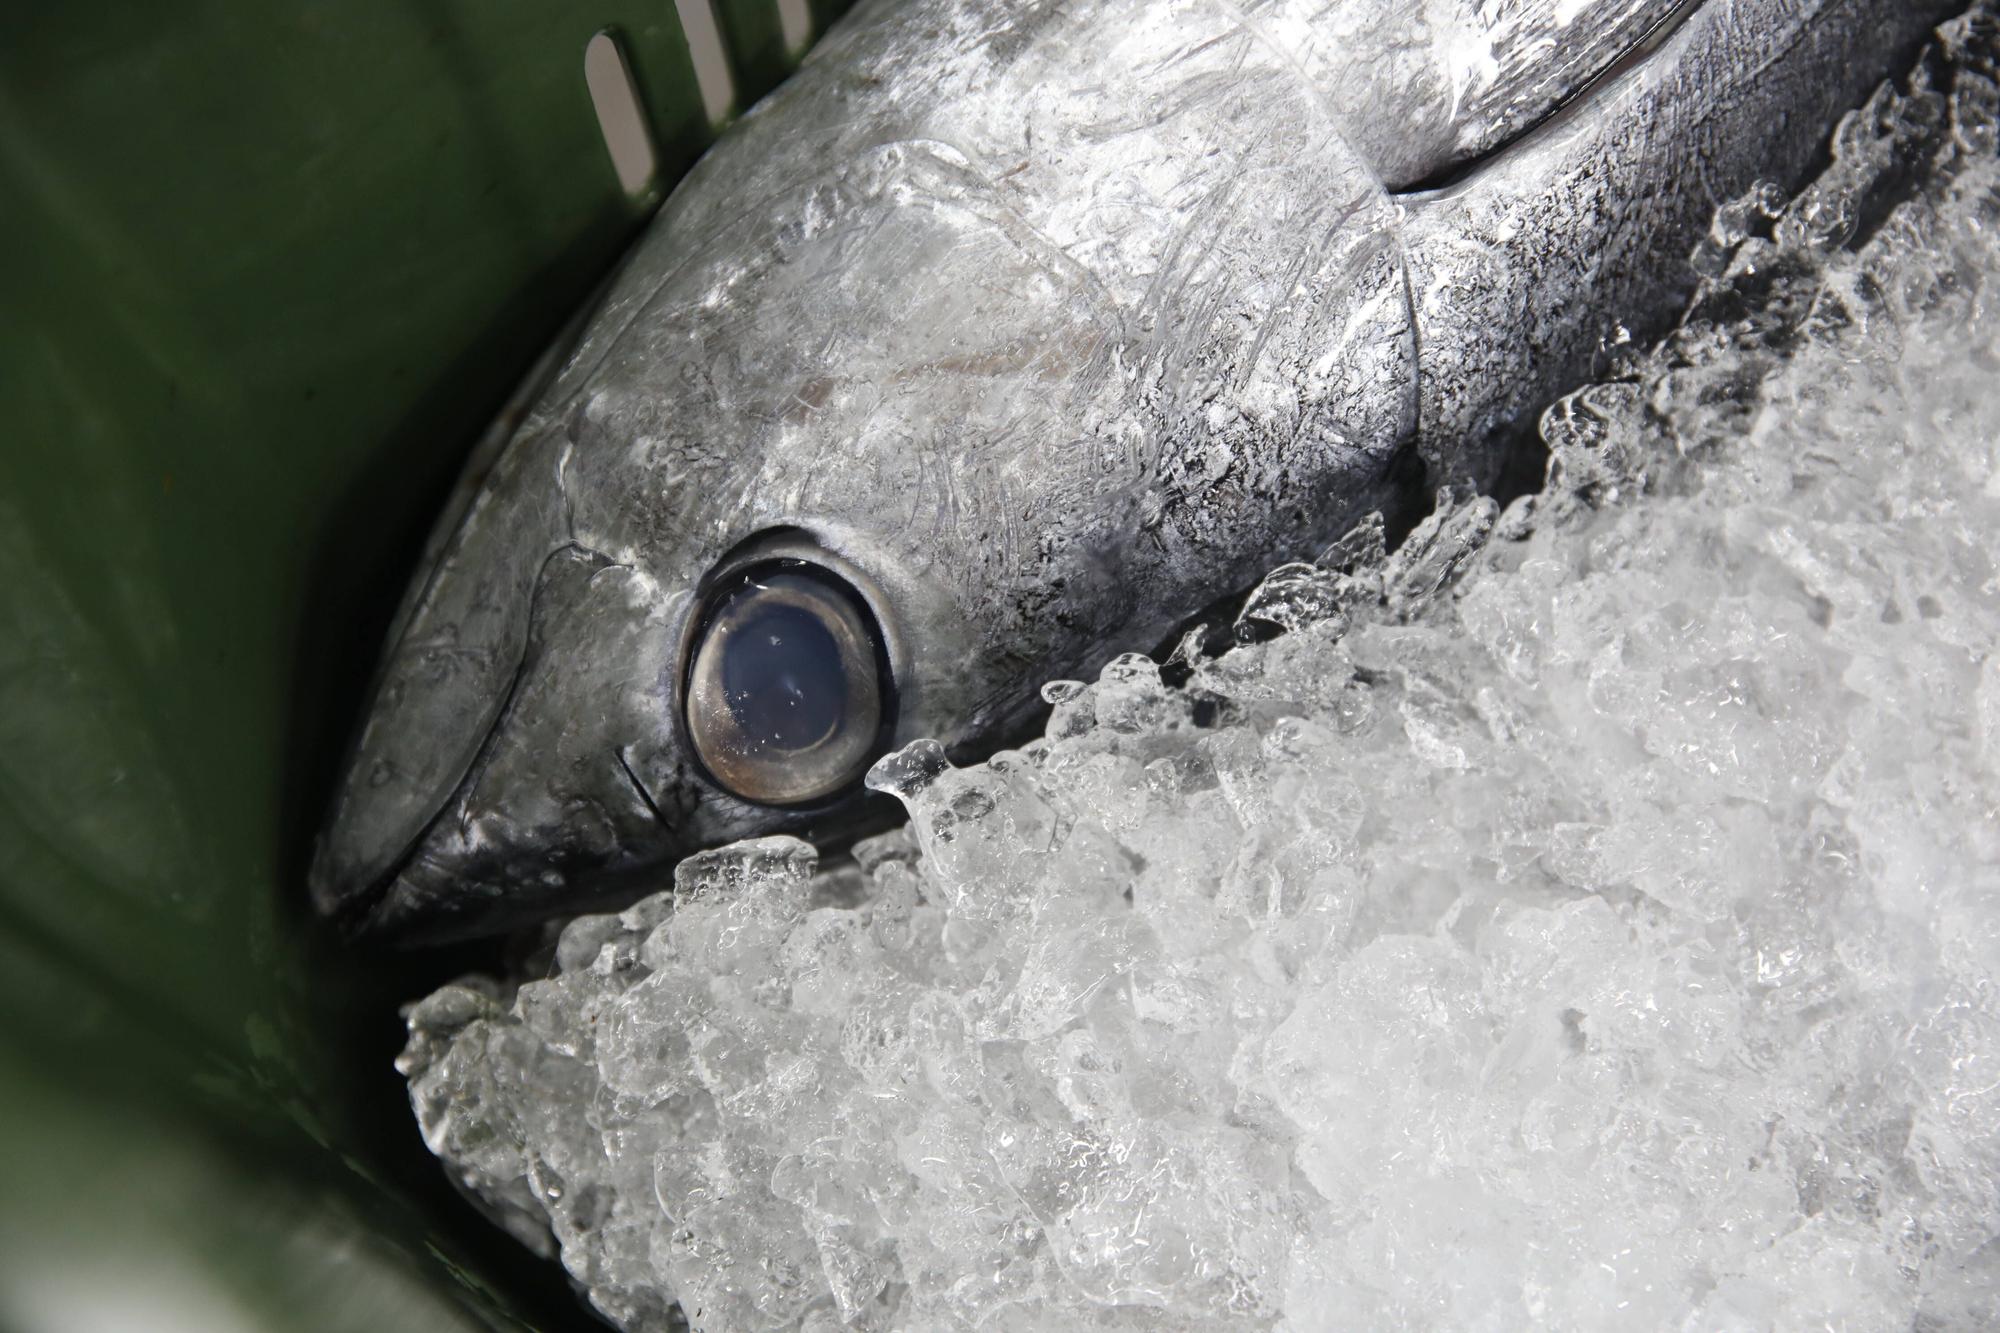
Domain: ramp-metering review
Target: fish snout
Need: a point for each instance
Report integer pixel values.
(520, 741)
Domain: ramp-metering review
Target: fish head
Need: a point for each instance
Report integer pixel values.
(759, 529)
(869, 463)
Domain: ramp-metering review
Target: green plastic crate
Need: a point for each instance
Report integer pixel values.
(266, 270)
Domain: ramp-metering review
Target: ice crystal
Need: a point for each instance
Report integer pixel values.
(1586, 916)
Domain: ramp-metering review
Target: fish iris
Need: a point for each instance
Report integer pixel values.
(785, 691)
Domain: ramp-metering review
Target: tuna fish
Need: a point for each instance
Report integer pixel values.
(999, 340)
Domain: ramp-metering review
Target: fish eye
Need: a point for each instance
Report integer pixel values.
(787, 697)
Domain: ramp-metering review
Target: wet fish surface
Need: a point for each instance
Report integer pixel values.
(999, 340)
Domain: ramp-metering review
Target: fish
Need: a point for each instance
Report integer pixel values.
(996, 342)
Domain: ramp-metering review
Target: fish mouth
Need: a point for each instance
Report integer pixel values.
(449, 889)
(1579, 102)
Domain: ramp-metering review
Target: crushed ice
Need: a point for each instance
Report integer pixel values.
(1586, 916)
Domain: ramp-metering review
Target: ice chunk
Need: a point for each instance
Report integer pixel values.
(1583, 917)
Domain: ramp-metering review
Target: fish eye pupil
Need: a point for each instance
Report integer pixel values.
(783, 677)
(787, 696)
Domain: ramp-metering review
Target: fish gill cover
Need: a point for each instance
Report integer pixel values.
(1585, 916)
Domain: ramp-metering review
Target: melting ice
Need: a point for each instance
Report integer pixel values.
(1587, 916)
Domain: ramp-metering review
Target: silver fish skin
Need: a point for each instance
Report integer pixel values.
(1041, 326)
